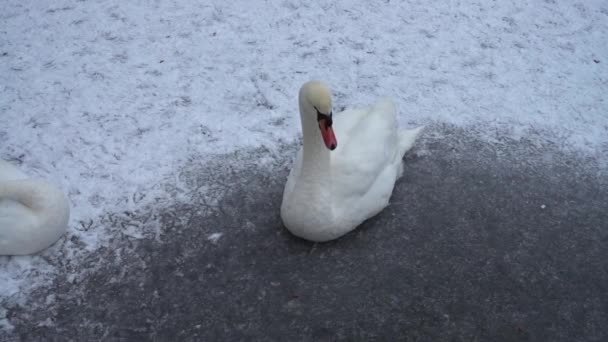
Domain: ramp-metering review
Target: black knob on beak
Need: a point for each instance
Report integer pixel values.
(326, 117)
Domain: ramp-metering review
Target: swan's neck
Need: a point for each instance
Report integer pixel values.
(313, 188)
(316, 166)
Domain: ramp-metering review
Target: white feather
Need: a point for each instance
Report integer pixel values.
(329, 193)
(33, 213)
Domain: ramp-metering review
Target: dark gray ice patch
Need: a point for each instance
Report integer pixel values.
(487, 242)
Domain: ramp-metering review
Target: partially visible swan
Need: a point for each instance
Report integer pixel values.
(33, 213)
(341, 179)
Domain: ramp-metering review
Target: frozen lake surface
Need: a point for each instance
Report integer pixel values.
(172, 126)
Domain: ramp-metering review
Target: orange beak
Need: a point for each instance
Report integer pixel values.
(329, 138)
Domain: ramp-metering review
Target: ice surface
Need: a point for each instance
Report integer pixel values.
(107, 98)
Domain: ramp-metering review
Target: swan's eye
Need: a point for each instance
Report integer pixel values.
(326, 117)
(329, 119)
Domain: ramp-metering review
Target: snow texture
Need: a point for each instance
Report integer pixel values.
(214, 238)
(109, 98)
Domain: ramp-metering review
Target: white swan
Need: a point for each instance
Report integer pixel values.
(336, 184)
(33, 213)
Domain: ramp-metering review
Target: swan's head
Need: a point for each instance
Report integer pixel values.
(315, 98)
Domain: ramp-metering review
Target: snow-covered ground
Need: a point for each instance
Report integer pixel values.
(108, 98)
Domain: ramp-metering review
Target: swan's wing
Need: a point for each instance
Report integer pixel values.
(294, 174)
(21, 230)
(371, 145)
(345, 121)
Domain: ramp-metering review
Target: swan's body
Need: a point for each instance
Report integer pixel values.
(329, 193)
(33, 213)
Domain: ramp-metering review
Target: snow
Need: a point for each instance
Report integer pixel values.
(108, 98)
(4, 323)
(214, 238)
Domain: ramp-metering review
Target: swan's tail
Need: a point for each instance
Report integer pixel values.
(407, 138)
